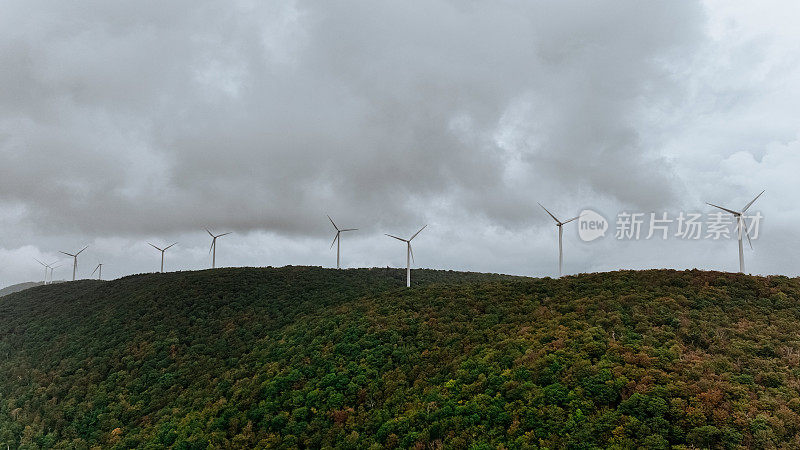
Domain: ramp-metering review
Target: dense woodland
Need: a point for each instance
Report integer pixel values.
(308, 357)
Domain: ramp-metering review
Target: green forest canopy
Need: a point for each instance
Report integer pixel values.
(311, 357)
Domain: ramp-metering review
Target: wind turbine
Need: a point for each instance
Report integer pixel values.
(337, 240)
(52, 269)
(100, 268)
(75, 261)
(162, 250)
(46, 266)
(409, 254)
(213, 249)
(740, 226)
(559, 224)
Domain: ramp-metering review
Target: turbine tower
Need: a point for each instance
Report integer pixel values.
(409, 254)
(559, 224)
(162, 250)
(740, 226)
(100, 268)
(75, 261)
(337, 240)
(213, 249)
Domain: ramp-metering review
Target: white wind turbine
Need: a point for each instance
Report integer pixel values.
(100, 268)
(162, 250)
(75, 261)
(409, 254)
(46, 268)
(52, 269)
(559, 224)
(740, 227)
(338, 240)
(213, 249)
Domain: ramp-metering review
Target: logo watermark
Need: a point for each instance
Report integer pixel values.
(635, 226)
(591, 225)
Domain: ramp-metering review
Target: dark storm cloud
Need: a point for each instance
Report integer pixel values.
(146, 117)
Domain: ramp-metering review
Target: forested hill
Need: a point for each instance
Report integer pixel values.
(18, 287)
(310, 357)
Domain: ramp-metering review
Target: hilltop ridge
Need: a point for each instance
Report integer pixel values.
(312, 357)
(19, 287)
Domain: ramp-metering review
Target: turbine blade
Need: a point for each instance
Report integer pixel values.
(40, 262)
(209, 232)
(570, 220)
(151, 245)
(95, 269)
(751, 202)
(84, 248)
(735, 213)
(335, 238)
(415, 234)
(411, 249)
(399, 239)
(548, 212)
(225, 234)
(213, 241)
(350, 229)
(334, 225)
(170, 246)
(68, 254)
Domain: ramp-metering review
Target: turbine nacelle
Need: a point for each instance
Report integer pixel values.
(162, 250)
(558, 222)
(76, 254)
(45, 265)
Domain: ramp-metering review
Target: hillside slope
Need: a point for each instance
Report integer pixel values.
(309, 357)
(19, 287)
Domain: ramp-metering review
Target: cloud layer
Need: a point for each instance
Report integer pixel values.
(121, 123)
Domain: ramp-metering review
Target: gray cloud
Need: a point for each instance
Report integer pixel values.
(125, 121)
(261, 116)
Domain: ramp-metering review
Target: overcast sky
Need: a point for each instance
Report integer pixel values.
(128, 122)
